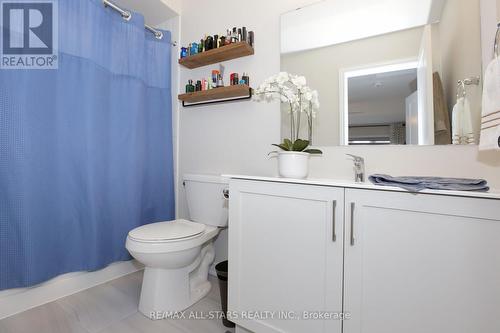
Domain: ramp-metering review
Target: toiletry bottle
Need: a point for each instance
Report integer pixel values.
(234, 35)
(251, 38)
(220, 81)
(234, 79)
(194, 48)
(189, 50)
(190, 86)
(198, 86)
(200, 46)
(222, 41)
(240, 38)
(244, 34)
(246, 79)
(215, 75)
(184, 52)
(209, 43)
(228, 37)
(216, 41)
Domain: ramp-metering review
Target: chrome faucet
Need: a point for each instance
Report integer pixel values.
(359, 168)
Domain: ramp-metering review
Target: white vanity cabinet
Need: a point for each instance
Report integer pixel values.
(400, 262)
(421, 263)
(285, 254)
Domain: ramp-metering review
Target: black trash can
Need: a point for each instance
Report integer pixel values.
(221, 269)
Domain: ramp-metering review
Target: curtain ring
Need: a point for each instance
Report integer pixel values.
(159, 35)
(127, 16)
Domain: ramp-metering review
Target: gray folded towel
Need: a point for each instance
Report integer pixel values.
(416, 184)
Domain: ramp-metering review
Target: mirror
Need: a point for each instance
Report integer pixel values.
(387, 71)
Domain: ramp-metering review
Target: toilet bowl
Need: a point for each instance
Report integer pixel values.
(177, 254)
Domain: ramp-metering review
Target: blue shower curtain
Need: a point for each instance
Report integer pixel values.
(86, 149)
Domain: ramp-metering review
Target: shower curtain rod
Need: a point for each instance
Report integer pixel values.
(128, 15)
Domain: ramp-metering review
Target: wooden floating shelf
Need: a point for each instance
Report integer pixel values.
(228, 52)
(217, 95)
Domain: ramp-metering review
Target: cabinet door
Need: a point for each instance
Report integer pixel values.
(285, 255)
(421, 263)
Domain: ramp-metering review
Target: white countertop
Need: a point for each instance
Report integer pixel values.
(492, 194)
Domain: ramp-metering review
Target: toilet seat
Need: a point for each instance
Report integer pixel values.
(163, 232)
(170, 246)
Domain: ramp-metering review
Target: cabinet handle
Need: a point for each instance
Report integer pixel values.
(334, 222)
(353, 205)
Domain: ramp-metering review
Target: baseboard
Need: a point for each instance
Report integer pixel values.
(14, 301)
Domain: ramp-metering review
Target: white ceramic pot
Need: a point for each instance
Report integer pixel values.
(293, 164)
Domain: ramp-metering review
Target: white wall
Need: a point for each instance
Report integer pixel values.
(461, 54)
(328, 61)
(378, 111)
(490, 16)
(369, 132)
(235, 138)
(174, 5)
(155, 11)
(174, 26)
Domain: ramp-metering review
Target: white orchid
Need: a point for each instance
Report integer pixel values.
(292, 90)
(299, 81)
(315, 100)
(282, 77)
(307, 95)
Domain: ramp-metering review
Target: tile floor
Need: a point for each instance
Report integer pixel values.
(112, 308)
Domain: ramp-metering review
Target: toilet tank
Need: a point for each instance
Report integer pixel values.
(205, 199)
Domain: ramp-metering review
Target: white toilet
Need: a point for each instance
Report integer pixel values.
(177, 254)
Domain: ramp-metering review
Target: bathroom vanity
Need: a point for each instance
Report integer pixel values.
(390, 260)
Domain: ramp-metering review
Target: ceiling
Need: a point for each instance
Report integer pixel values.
(382, 86)
(155, 11)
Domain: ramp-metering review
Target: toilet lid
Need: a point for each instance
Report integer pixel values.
(167, 231)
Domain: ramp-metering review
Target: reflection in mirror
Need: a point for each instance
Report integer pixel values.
(382, 105)
(387, 71)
